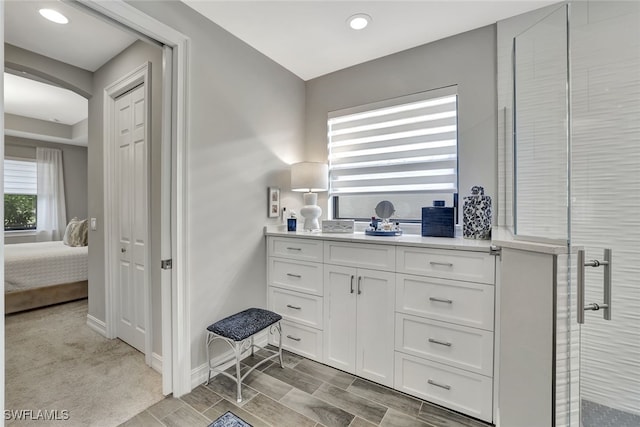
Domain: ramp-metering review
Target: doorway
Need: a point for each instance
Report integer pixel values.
(174, 298)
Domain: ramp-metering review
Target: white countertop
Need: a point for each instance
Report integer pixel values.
(501, 237)
(405, 240)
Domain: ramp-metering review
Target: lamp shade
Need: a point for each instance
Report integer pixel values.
(309, 176)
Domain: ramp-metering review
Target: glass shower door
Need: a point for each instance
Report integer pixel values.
(541, 171)
(605, 206)
(577, 180)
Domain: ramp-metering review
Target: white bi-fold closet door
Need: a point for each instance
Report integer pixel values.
(132, 223)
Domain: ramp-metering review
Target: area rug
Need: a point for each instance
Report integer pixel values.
(229, 419)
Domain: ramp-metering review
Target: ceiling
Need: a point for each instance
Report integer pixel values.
(85, 42)
(21, 94)
(312, 38)
(309, 38)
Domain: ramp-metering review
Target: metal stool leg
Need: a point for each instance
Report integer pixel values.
(208, 343)
(238, 351)
(279, 328)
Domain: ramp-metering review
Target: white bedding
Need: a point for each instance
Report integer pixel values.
(32, 265)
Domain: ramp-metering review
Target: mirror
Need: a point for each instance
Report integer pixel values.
(385, 209)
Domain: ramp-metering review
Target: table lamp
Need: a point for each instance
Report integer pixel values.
(310, 177)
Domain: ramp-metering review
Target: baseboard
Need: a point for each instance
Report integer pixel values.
(97, 325)
(156, 362)
(200, 374)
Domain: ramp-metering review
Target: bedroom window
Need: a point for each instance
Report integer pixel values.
(404, 150)
(20, 194)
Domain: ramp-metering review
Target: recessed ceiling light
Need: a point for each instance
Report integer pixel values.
(54, 16)
(359, 21)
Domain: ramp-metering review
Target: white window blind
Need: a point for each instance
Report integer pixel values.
(20, 177)
(408, 145)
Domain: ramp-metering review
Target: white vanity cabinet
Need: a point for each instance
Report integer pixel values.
(295, 291)
(410, 313)
(444, 338)
(359, 318)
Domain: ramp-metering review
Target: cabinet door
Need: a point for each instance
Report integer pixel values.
(339, 317)
(375, 292)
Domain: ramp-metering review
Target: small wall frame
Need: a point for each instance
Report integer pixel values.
(273, 204)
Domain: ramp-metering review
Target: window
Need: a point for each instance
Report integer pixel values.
(403, 150)
(20, 194)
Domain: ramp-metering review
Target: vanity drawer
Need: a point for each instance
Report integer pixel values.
(459, 346)
(375, 257)
(464, 303)
(299, 339)
(296, 275)
(467, 266)
(301, 249)
(453, 388)
(297, 307)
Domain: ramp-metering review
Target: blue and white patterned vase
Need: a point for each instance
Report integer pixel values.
(476, 215)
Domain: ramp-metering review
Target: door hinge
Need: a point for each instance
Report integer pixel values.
(495, 250)
(166, 264)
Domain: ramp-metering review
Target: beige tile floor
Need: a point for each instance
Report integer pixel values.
(305, 393)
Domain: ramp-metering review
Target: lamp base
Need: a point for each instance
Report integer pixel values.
(311, 212)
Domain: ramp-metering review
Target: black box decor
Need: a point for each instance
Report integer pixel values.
(438, 221)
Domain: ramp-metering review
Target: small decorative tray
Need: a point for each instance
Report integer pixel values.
(383, 233)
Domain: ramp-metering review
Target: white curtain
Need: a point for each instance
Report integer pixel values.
(52, 215)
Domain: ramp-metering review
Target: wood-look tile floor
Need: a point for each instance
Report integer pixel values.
(305, 393)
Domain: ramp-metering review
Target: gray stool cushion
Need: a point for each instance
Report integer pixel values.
(244, 324)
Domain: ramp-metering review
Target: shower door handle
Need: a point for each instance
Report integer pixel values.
(606, 305)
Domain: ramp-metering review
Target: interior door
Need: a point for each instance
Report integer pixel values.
(131, 165)
(605, 200)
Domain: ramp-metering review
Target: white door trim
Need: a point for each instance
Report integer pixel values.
(140, 75)
(176, 373)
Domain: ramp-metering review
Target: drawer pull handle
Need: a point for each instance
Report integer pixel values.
(446, 301)
(294, 249)
(444, 386)
(294, 307)
(352, 277)
(297, 276)
(435, 341)
(294, 338)
(445, 264)
(359, 283)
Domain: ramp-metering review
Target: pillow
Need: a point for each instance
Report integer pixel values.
(76, 233)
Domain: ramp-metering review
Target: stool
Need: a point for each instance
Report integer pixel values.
(238, 331)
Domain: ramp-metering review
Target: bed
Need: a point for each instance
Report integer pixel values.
(43, 273)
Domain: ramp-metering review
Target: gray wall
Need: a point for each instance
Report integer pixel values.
(246, 118)
(125, 62)
(74, 160)
(468, 60)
